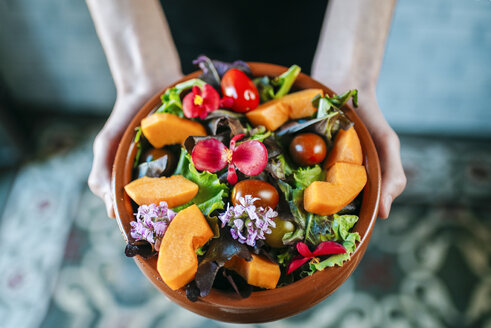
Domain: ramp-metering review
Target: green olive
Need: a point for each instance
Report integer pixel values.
(275, 238)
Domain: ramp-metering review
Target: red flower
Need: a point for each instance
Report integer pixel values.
(200, 101)
(212, 155)
(324, 248)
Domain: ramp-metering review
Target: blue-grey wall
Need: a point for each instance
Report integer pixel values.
(436, 76)
(50, 56)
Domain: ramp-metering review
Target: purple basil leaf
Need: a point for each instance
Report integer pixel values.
(239, 285)
(213, 70)
(205, 276)
(210, 74)
(192, 291)
(220, 251)
(226, 124)
(142, 248)
(223, 67)
(155, 169)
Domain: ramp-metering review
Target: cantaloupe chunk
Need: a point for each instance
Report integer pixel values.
(344, 181)
(275, 113)
(175, 190)
(177, 263)
(300, 103)
(259, 272)
(271, 116)
(346, 149)
(162, 129)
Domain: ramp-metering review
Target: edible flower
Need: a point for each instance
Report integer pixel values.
(151, 223)
(250, 157)
(247, 222)
(324, 248)
(200, 101)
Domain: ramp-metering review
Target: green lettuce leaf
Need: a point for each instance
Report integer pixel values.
(278, 86)
(349, 244)
(340, 227)
(284, 258)
(318, 228)
(294, 198)
(211, 191)
(258, 133)
(304, 176)
(285, 81)
(279, 167)
(171, 99)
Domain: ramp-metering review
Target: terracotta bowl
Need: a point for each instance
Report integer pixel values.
(267, 305)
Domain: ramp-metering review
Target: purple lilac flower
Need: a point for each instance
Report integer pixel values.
(151, 222)
(247, 222)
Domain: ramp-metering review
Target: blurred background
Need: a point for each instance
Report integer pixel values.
(62, 261)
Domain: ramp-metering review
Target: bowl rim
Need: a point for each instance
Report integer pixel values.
(257, 299)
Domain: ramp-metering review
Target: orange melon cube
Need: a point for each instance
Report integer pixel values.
(175, 190)
(162, 129)
(177, 263)
(346, 149)
(259, 272)
(344, 181)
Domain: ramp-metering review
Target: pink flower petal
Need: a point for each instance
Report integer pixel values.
(250, 157)
(196, 90)
(189, 109)
(211, 98)
(232, 175)
(329, 247)
(304, 250)
(235, 139)
(210, 155)
(296, 263)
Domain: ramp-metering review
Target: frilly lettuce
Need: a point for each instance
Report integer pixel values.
(304, 176)
(171, 99)
(340, 227)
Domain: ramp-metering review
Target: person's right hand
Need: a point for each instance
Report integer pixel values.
(107, 141)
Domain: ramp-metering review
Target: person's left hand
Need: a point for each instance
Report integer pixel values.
(388, 147)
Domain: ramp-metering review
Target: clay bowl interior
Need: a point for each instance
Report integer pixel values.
(267, 305)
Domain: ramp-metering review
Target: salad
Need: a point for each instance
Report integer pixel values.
(244, 183)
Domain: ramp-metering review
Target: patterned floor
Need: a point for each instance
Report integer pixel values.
(62, 262)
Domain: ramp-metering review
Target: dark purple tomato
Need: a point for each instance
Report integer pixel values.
(267, 194)
(308, 149)
(275, 238)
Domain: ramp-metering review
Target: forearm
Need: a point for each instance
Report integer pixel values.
(352, 43)
(138, 44)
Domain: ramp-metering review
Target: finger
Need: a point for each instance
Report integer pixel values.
(393, 177)
(100, 175)
(108, 201)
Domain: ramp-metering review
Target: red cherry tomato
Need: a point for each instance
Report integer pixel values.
(237, 85)
(308, 149)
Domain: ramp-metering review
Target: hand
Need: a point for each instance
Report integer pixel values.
(106, 143)
(388, 148)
